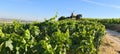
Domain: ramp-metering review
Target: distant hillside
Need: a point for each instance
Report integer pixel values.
(6, 20)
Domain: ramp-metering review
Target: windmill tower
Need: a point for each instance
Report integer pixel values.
(73, 15)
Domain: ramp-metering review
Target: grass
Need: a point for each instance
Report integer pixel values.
(115, 27)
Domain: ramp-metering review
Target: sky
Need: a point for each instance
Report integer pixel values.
(40, 9)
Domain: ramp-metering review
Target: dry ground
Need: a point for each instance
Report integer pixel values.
(111, 43)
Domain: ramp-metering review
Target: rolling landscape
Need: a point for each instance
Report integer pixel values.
(96, 36)
(59, 27)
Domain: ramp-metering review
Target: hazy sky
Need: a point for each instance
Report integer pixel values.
(40, 9)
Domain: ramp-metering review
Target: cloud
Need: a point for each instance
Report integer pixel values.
(102, 4)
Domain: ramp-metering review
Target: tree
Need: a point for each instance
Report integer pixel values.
(62, 18)
(78, 16)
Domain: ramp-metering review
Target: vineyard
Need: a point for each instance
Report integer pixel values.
(51, 37)
(104, 21)
(112, 23)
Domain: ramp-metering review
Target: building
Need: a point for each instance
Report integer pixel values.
(73, 16)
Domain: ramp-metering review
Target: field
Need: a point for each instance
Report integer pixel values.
(68, 36)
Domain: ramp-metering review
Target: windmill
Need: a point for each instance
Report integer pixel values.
(73, 15)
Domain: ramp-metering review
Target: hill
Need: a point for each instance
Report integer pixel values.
(7, 20)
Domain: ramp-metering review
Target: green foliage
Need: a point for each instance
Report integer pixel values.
(104, 21)
(51, 37)
(108, 23)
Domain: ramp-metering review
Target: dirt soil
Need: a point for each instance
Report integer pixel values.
(111, 43)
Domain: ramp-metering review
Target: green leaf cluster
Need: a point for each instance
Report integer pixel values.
(51, 37)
